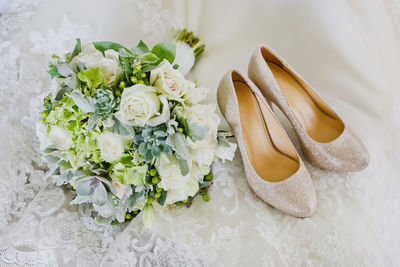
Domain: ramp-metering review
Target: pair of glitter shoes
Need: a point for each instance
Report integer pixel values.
(274, 170)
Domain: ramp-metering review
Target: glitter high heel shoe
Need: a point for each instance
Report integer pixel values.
(273, 168)
(326, 141)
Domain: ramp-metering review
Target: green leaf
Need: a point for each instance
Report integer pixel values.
(83, 103)
(165, 50)
(155, 151)
(62, 92)
(222, 142)
(104, 46)
(51, 159)
(149, 58)
(84, 188)
(48, 106)
(71, 82)
(150, 67)
(141, 49)
(99, 194)
(77, 48)
(184, 166)
(134, 198)
(54, 72)
(103, 220)
(162, 198)
(64, 70)
(183, 123)
(80, 200)
(93, 120)
(75, 52)
(122, 129)
(126, 160)
(124, 53)
(64, 164)
(178, 143)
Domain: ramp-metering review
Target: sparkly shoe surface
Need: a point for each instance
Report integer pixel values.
(273, 168)
(326, 141)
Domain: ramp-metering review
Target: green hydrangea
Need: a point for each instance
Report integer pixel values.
(105, 101)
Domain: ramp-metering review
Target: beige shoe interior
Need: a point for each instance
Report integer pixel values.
(268, 147)
(315, 116)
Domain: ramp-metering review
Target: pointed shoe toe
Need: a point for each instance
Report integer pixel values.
(295, 196)
(345, 154)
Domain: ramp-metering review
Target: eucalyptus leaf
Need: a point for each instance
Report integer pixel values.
(81, 199)
(149, 58)
(155, 151)
(93, 120)
(150, 67)
(133, 199)
(222, 142)
(184, 167)
(178, 143)
(141, 49)
(124, 53)
(83, 103)
(104, 46)
(60, 94)
(52, 159)
(85, 188)
(99, 194)
(71, 81)
(165, 50)
(122, 129)
(54, 72)
(64, 70)
(101, 219)
(108, 184)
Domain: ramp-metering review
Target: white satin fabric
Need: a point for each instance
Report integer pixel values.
(348, 50)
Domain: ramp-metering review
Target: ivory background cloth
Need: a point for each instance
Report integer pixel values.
(348, 50)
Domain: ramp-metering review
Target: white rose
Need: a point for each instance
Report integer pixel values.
(90, 57)
(111, 146)
(203, 151)
(139, 104)
(179, 187)
(196, 95)
(59, 138)
(169, 82)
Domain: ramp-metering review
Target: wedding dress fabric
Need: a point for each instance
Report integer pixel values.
(348, 50)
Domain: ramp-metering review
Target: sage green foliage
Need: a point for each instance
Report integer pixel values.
(151, 141)
(105, 101)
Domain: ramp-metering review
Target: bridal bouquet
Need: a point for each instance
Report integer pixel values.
(126, 131)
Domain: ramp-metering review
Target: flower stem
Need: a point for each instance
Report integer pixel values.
(194, 42)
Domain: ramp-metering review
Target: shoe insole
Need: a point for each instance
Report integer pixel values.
(318, 124)
(268, 147)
